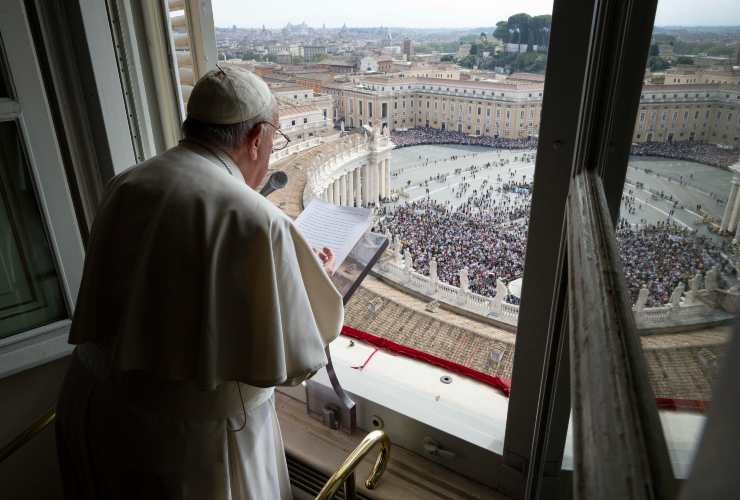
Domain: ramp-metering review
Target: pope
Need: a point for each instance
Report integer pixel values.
(198, 298)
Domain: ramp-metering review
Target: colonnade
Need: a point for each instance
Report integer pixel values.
(731, 216)
(361, 187)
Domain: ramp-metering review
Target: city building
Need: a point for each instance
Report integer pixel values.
(312, 52)
(303, 113)
(385, 64)
(474, 108)
(368, 64)
(689, 112)
(511, 108)
(463, 50)
(665, 50)
(682, 75)
(408, 48)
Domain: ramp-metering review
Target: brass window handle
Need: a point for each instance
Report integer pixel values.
(346, 470)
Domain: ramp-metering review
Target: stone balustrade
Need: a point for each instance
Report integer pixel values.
(459, 298)
(704, 304)
(297, 147)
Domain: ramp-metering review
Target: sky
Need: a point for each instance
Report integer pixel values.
(439, 13)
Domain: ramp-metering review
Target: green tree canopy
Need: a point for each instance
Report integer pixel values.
(502, 31)
(656, 63)
(523, 28)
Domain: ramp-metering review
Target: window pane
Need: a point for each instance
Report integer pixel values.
(4, 78)
(678, 224)
(30, 294)
(449, 174)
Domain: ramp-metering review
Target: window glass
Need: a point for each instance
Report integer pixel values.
(30, 293)
(678, 226)
(5, 89)
(453, 194)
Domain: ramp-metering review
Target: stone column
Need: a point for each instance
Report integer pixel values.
(373, 180)
(347, 182)
(368, 171)
(358, 187)
(335, 188)
(737, 233)
(387, 175)
(730, 205)
(383, 185)
(330, 194)
(342, 190)
(365, 185)
(732, 224)
(381, 180)
(351, 188)
(376, 182)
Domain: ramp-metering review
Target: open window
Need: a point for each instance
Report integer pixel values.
(468, 347)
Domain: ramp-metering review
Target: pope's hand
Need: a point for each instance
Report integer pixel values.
(326, 256)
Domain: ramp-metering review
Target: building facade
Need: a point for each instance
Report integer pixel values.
(408, 48)
(672, 113)
(303, 113)
(511, 109)
(473, 108)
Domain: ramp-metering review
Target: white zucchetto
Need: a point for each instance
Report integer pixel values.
(229, 95)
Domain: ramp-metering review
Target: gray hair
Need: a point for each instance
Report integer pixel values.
(227, 137)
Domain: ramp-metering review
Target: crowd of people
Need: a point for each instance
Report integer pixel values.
(662, 255)
(708, 154)
(485, 230)
(700, 152)
(428, 135)
(486, 234)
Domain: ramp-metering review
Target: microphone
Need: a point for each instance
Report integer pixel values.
(277, 180)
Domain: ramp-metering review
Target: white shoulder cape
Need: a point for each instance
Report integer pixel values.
(192, 275)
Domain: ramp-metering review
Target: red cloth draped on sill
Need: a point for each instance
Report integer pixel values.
(499, 383)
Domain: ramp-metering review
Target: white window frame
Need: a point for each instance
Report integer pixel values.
(30, 110)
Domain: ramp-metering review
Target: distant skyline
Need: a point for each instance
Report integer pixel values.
(436, 13)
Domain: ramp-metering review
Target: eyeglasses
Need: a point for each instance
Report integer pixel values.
(279, 142)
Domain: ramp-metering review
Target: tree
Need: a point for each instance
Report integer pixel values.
(684, 60)
(656, 63)
(541, 30)
(447, 58)
(664, 38)
(467, 61)
(519, 24)
(654, 51)
(502, 31)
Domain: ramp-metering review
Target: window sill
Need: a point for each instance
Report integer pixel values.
(408, 475)
(472, 412)
(465, 408)
(34, 347)
(465, 419)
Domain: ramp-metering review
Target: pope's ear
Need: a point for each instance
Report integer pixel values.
(254, 141)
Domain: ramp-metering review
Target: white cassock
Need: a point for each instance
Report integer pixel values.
(195, 289)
